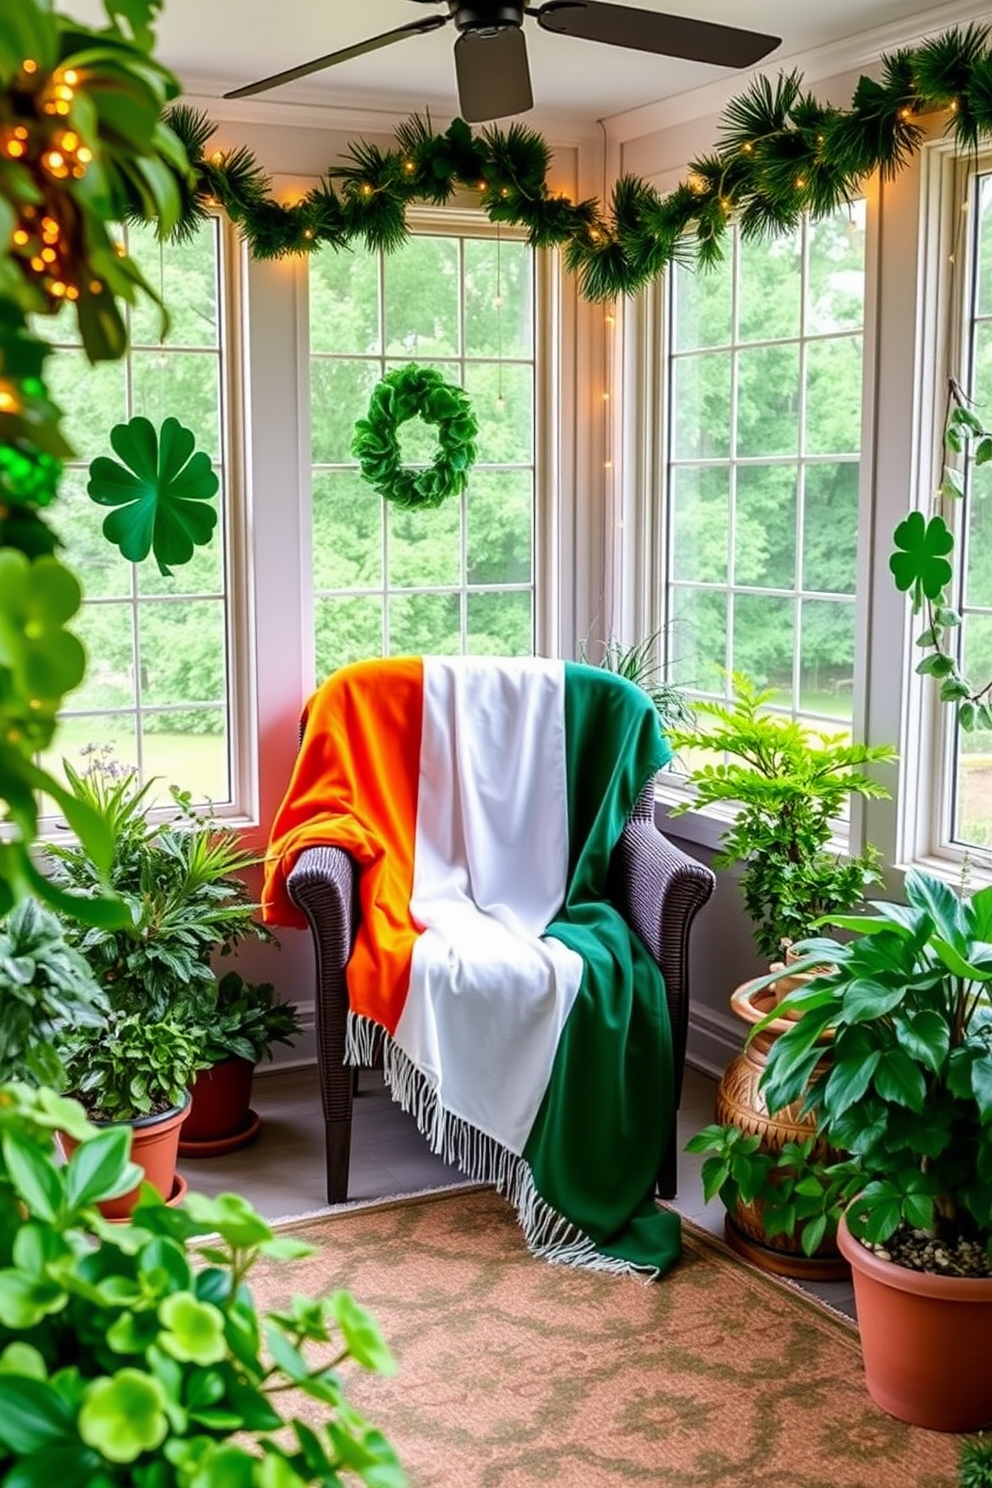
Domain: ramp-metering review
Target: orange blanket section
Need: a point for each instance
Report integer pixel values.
(355, 786)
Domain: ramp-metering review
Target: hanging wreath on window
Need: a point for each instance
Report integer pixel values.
(402, 395)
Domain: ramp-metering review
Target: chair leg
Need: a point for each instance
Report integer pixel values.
(337, 1139)
(668, 1178)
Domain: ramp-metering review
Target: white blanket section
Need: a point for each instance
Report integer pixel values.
(488, 997)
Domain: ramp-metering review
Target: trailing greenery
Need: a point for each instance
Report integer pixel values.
(83, 145)
(792, 784)
(133, 1356)
(246, 1020)
(128, 1067)
(44, 986)
(404, 394)
(639, 664)
(781, 153)
(795, 1191)
(180, 887)
(921, 566)
(908, 1090)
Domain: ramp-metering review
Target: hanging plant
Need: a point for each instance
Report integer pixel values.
(921, 566)
(402, 395)
(159, 492)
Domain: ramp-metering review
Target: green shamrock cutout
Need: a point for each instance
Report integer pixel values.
(921, 567)
(159, 492)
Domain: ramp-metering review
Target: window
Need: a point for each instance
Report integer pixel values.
(765, 375)
(460, 578)
(159, 680)
(968, 780)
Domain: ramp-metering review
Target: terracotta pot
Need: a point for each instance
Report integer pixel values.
(154, 1147)
(221, 1101)
(740, 1102)
(926, 1340)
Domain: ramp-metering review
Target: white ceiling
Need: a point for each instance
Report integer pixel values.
(215, 45)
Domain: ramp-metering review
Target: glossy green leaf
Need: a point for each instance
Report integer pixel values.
(124, 1415)
(33, 1414)
(361, 1333)
(34, 1176)
(919, 564)
(100, 1168)
(159, 487)
(194, 1330)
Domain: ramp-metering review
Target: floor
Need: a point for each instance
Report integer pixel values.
(282, 1171)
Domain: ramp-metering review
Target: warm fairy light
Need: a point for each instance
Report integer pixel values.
(483, 186)
(71, 76)
(217, 158)
(120, 250)
(408, 165)
(500, 403)
(504, 191)
(606, 397)
(308, 232)
(96, 287)
(905, 113)
(9, 402)
(594, 235)
(20, 237)
(29, 65)
(84, 155)
(69, 141)
(696, 183)
(747, 147)
(54, 163)
(366, 189)
(607, 464)
(497, 301)
(800, 182)
(20, 132)
(15, 149)
(49, 255)
(38, 264)
(611, 319)
(57, 288)
(71, 292)
(954, 105)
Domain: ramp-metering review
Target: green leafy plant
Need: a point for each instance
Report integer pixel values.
(908, 1091)
(921, 566)
(127, 1066)
(795, 1191)
(246, 1020)
(158, 488)
(180, 883)
(640, 664)
(134, 1355)
(791, 784)
(45, 986)
(975, 1466)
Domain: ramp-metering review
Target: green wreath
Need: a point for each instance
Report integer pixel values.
(401, 395)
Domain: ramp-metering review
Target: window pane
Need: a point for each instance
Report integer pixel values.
(347, 531)
(701, 406)
(180, 385)
(203, 574)
(764, 630)
(189, 749)
(503, 403)
(701, 516)
(500, 625)
(182, 652)
(346, 630)
(836, 293)
(98, 565)
(499, 308)
(500, 515)
(768, 401)
(424, 545)
(344, 302)
(833, 396)
(105, 631)
(339, 394)
(703, 300)
(765, 526)
(771, 286)
(979, 566)
(184, 275)
(421, 299)
(92, 400)
(827, 650)
(830, 528)
(428, 624)
(697, 639)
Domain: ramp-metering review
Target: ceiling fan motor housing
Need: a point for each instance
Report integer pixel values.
(487, 16)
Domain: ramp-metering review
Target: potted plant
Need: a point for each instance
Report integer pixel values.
(245, 1021)
(790, 784)
(908, 1092)
(129, 1070)
(132, 1357)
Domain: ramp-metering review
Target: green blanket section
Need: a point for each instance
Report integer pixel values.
(607, 1114)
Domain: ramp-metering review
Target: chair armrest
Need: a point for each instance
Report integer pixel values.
(659, 889)
(322, 884)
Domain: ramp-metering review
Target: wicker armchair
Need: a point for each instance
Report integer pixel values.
(656, 887)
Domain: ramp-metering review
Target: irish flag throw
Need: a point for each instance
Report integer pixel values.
(528, 1029)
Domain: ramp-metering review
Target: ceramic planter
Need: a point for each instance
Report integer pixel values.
(155, 1148)
(221, 1118)
(926, 1340)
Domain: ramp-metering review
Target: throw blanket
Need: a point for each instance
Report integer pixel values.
(481, 800)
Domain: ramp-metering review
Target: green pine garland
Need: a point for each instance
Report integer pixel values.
(402, 395)
(781, 154)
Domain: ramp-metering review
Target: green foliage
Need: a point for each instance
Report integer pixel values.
(128, 1066)
(639, 664)
(134, 1356)
(791, 784)
(246, 1020)
(401, 395)
(44, 985)
(179, 883)
(795, 1191)
(158, 492)
(908, 1089)
(975, 1465)
(921, 564)
(102, 155)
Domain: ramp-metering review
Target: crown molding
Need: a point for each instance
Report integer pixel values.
(850, 54)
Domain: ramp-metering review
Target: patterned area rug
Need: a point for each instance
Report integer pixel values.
(517, 1374)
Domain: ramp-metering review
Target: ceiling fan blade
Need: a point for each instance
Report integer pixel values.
(493, 75)
(412, 28)
(650, 31)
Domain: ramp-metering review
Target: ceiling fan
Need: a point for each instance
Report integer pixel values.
(491, 54)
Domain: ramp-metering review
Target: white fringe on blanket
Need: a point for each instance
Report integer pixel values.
(481, 1158)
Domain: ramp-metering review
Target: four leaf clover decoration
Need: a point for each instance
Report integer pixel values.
(920, 564)
(160, 492)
